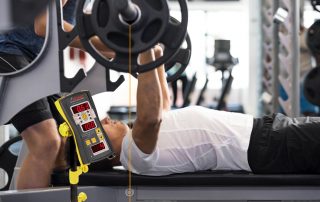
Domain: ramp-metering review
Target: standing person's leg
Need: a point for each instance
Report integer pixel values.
(39, 131)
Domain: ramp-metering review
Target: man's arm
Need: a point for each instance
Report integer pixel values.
(40, 29)
(149, 107)
(166, 105)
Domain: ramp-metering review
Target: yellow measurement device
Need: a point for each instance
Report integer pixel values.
(82, 122)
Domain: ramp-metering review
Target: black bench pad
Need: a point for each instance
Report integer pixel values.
(206, 178)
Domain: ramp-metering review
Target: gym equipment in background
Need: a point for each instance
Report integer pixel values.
(311, 86)
(313, 37)
(46, 72)
(312, 80)
(8, 159)
(189, 90)
(280, 48)
(180, 59)
(203, 90)
(315, 4)
(223, 61)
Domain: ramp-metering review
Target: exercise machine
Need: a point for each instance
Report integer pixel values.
(44, 69)
(224, 62)
(48, 68)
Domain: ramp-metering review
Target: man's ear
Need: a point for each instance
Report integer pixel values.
(105, 120)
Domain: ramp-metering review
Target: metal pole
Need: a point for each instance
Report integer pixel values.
(73, 162)
(289, 57)
(295, 65)
(3, 83)
(5, 16)
(4, 136)
(275, 63)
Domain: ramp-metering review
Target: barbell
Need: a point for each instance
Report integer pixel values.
(130, 28)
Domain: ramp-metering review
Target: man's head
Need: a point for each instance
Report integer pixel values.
(116, 130)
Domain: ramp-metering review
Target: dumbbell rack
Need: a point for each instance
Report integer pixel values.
(281, 62)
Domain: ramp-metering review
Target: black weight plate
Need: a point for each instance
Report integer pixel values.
(311, 86)
(172, 38)
(181, 58)
(313, 37)
(114, 32)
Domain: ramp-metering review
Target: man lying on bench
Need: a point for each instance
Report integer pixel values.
(190, 139)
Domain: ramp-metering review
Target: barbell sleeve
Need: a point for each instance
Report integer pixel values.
(128, 10)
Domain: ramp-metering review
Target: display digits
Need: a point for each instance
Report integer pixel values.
(80, 108)
(98, 147)
(88, 126)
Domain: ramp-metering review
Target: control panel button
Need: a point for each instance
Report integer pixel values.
(98, 130)
(93, 140)
(88, 142)
(84, 116)
(100, 137)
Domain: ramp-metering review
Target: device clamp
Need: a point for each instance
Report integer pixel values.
(65, 130)
(82, 197)
(74, 175)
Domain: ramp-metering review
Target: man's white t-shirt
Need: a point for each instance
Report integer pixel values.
(193, 139)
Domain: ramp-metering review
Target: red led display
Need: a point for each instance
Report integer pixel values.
(80, 108)
(98, 147)
(88, 126)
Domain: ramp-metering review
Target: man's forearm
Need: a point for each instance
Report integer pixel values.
(166, 105)
(149, 107)
(148, 92)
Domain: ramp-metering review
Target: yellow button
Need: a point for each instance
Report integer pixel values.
(101, 137)
(98, 130)
(88, 142)
(84, 116)
(93, 140)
